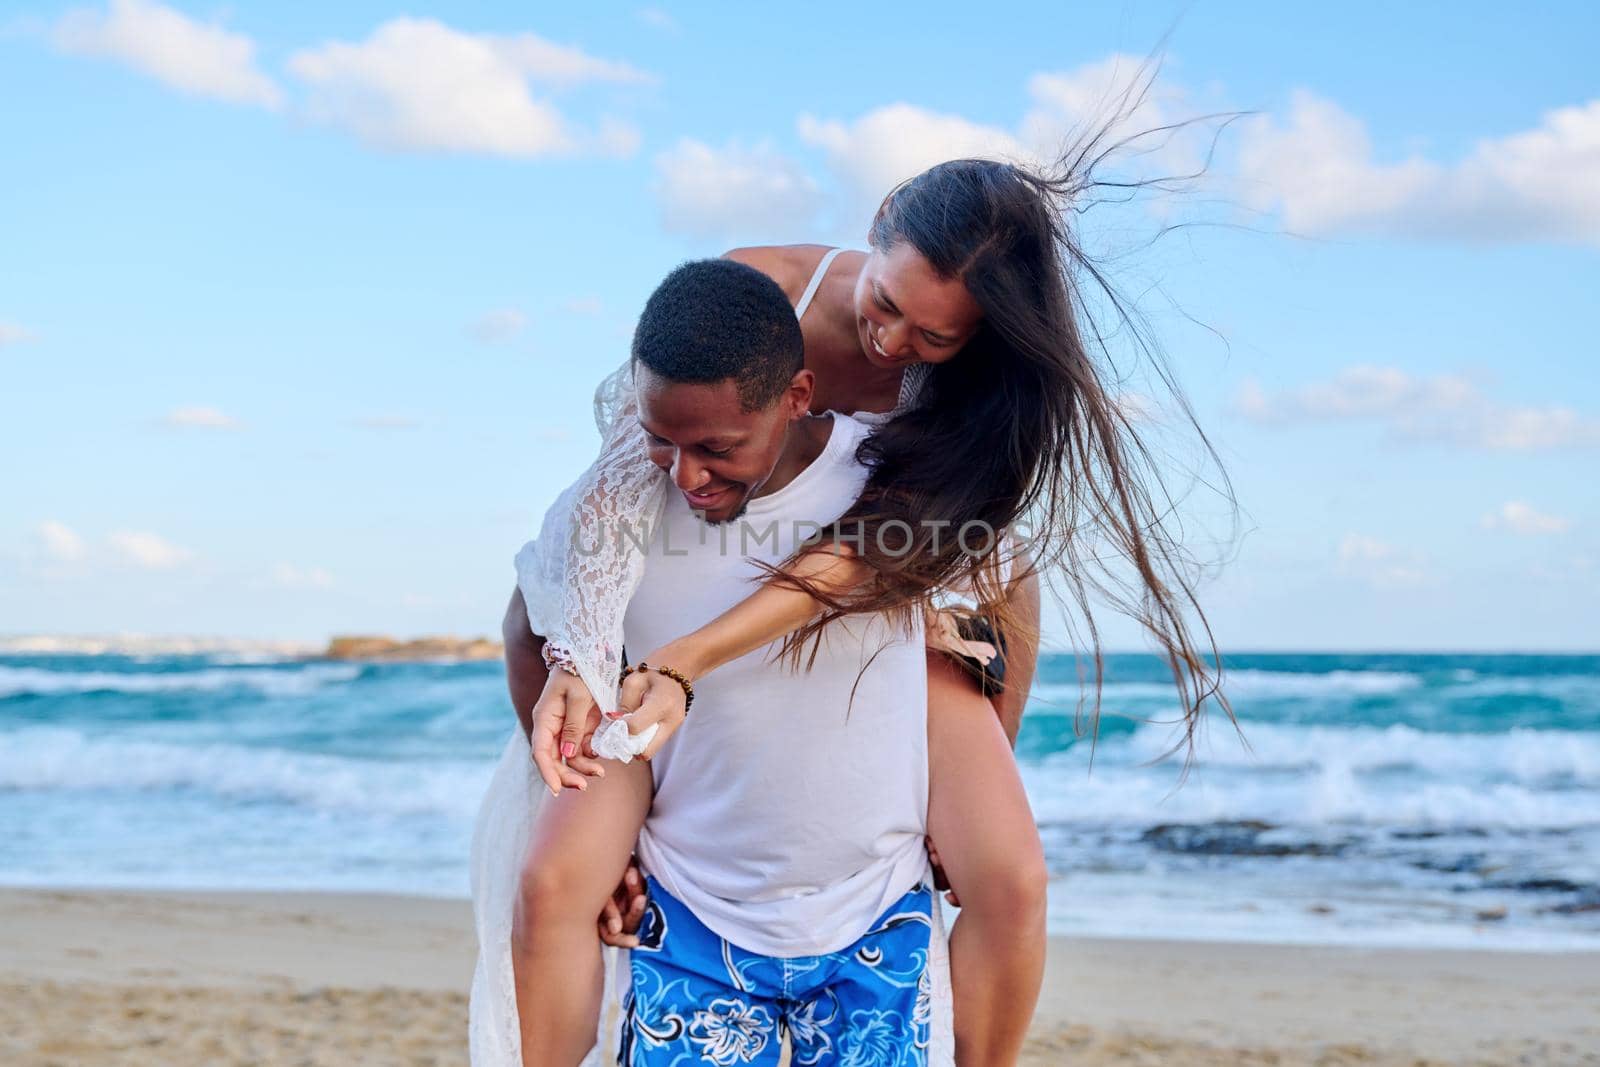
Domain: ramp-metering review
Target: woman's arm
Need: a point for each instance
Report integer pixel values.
(774, 611)
(771, 612)
(1022, 647)
(578, 575)
(550, 705)
(575, 580)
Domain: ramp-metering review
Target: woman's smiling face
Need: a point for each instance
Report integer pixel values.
(906, 313)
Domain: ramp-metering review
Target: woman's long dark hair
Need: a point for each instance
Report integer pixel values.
(1022, 430)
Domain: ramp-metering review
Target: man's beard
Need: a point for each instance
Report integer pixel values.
(744, 506)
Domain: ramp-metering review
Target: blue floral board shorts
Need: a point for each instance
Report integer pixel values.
(695, 998)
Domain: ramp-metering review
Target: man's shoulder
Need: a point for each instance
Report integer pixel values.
(835, 439)
(846, 436)
(837, 464)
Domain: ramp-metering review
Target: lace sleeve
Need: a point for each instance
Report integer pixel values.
(578, 575)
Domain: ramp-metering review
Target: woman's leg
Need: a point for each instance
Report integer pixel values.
(579, 849)
(979, 819)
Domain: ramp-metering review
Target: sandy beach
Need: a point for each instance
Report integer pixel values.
(102, 978)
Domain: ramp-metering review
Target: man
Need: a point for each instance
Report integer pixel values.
(786, 817)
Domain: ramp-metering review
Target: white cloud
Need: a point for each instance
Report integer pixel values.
(148, 550)
(60, 542)
(661, 20)
(1317, 165)
(583, 305)
(419, 85)
(199, 418)
(1525, 429)
(705, 191)
(1521, 518)
(1117, 96)
(1379, 564)
(1363, 391)
(616, 138)
(872, 154)
(561, 65)
(1451, 409)
(735, 191)
(12, 334)
(194, 57)
(499, 326)
(1318, 168)
(288, 576)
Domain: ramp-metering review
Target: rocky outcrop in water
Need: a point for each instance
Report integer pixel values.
(1240, 837)
(420, 648)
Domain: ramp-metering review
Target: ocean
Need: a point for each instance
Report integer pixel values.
(1392, 799)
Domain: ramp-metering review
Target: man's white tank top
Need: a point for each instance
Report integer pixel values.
(788, 814)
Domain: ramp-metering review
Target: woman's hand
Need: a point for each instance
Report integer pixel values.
(619, 920)
(651, 699)
(564, 720)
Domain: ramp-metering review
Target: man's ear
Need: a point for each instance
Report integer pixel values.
(798, 396)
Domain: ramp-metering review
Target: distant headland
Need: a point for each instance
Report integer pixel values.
(364, 646)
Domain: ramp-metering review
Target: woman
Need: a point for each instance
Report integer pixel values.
(965, 312)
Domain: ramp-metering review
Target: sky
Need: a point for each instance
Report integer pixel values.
(302, 305)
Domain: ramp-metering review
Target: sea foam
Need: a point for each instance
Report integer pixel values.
(51, 759)
(275, 681)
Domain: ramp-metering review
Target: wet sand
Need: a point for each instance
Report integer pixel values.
(305, 980)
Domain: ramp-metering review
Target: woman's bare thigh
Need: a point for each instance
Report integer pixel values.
(978, 814)
(581, 840)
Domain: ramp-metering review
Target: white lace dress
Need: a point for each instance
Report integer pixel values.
(577, 577)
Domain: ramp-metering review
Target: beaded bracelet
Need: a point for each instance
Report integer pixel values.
(675, 675)
(558, 657)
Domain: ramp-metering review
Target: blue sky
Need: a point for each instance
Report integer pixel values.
(301, 305)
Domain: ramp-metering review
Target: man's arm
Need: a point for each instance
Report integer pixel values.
(526, 673)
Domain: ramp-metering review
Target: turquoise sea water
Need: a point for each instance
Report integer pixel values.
(1409, 799)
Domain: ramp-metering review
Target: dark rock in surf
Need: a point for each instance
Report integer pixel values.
(1242, 837)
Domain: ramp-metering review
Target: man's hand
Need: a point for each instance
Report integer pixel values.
(564, 720)
(940, 882)
(619, 921)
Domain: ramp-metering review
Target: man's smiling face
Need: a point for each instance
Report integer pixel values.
(718, 454)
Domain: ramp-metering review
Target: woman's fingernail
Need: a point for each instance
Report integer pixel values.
(568, 750)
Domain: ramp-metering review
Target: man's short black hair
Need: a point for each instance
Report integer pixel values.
(714, 319)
